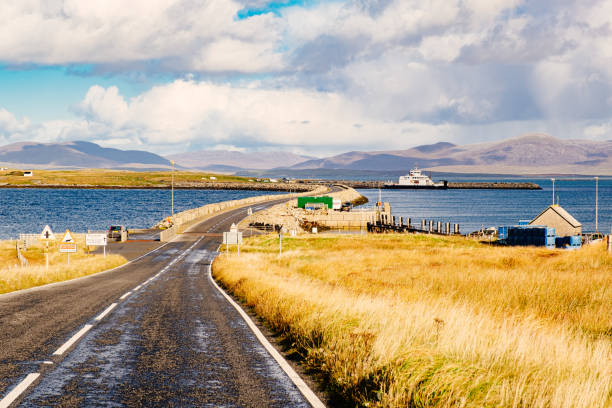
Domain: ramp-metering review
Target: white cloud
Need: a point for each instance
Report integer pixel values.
(329, 76)
(181, 33)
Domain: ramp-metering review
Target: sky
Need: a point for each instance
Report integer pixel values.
(307, 76)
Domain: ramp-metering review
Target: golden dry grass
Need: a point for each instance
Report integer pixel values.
(14, 277)
(422, 321)
(103, 177)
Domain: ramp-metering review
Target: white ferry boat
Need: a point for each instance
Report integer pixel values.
(416, 179)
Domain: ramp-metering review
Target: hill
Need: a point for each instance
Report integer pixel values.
(77, 154)
(528, 154)
(230, 161)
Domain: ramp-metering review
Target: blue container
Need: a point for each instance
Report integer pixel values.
(524, 222)
(575, 240)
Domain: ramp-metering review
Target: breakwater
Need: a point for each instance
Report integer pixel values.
(454, 185)
(183, 220)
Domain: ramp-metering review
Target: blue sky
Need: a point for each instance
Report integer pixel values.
(45, 93)
(315, 77)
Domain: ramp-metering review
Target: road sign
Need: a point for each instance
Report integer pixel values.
(232, 238)
(95, 239)
(67, 237)
(68, 247)
(47, 234)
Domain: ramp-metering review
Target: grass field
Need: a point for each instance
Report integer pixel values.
(101, 177)
(14, 277)
(422, 321)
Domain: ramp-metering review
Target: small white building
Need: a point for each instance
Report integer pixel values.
(28, 173)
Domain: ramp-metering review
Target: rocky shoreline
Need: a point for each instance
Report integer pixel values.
(293, 187)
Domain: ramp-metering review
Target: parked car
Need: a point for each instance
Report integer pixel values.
(346, 206)
(115, 232)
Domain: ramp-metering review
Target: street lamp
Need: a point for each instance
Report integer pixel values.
(553, 181)
(172, 189)
(596, 202)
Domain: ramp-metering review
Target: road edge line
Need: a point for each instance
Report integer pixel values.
(310, 396)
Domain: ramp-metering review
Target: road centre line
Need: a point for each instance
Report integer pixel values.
(72, 340)
(105, 312)
(18, 390)
(284, 365)
(125, 295)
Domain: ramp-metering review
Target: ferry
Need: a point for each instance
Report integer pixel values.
(417, 180)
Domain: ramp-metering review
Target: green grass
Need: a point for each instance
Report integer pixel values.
(107, 178)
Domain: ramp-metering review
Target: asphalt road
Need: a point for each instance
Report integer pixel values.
(153, 333)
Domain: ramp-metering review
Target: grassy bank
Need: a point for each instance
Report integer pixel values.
(110, 178)
(15, 277)
(424, 321)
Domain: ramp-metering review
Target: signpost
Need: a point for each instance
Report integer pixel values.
(47, 235)
(96, 240)
(233, 237)
(68, 245)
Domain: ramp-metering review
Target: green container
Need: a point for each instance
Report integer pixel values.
(328, 201)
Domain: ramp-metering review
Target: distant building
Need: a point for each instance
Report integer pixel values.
(28, 174)
(556, 217)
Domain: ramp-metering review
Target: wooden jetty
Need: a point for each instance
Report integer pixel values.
(390, 224)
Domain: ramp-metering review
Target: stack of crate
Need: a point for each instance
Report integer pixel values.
(571, 242)
(528, 235)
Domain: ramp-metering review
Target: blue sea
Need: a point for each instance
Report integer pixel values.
(29, 210)
(474, 209)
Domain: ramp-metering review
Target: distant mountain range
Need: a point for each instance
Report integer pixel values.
(229, 161)
(528, 154)
(78, 155)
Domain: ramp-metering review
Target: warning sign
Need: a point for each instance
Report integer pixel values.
(67, 237)
(47, 234)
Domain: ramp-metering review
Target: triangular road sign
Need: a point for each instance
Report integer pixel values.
(67, 237)
(47, 234)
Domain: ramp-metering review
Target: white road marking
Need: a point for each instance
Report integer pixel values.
(18, 390)
(47, 362)
(72, 340)
(137, 287)
(125, 295)
(105, 312)
(293, 376)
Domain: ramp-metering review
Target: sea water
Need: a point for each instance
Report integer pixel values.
(474, 209)
(28, 210)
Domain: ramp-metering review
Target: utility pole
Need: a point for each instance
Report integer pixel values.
(596, 202)
(553, 192)
(172, 189)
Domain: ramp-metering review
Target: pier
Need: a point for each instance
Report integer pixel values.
(401, 225)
